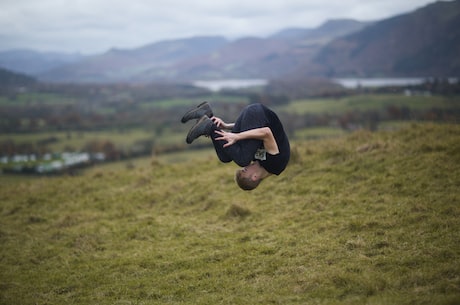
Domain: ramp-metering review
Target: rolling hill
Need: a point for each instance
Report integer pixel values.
(12, 79)
(369, 218)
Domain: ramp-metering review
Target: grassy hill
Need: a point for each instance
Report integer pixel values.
(367, 218)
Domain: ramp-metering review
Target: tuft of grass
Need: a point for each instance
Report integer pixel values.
(236, 210)
(367, 218)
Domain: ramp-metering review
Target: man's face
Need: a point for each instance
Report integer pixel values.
(248, 171)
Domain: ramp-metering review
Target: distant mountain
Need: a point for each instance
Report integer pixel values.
(425, 42)
(291, 34)
(34, 62)
(205, 57)
(127, 65)
(327, 31)
(12, 79)
(234, 60)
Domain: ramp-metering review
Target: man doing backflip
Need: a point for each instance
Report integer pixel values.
(256, 141)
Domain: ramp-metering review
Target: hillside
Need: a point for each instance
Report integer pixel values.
(126, 65)
(205, 57)
(327, 31)
(32, 62)
(266, 58)
(422, 43)
(12, 79)
(368, 218)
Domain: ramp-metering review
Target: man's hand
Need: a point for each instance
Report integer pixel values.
(264, 134)
(230, 137)
(221, 124)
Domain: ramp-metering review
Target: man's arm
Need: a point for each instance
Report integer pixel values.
(264, 133)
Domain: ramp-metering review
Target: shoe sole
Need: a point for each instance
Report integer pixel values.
(184, 120)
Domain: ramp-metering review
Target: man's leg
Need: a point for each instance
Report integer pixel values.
(242, 152)
(218, 146)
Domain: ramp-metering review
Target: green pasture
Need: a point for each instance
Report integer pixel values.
(172, 133)
(191, 102)
(363, 218)
(178, 157)
(373, 102)
(318, 132)
(311, 133)
(35, 98)
(78, 139)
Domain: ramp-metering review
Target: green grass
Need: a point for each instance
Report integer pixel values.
(192, 102)
(318, 132)
(366, 218)
(34, 98)
(163, 135)
(369, 102)
(78, 139)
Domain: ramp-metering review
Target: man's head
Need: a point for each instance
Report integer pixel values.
(249, 177)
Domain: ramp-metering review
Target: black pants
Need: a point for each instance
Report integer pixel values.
(242, 152)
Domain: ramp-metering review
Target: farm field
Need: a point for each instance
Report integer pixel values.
(117, 126)
(361, 218)
(171, 132)
(366, 102)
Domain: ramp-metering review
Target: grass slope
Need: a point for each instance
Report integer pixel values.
(368, 218)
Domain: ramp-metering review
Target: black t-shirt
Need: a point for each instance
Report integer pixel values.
(276, 164)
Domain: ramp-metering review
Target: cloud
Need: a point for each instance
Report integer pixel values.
(97, 25)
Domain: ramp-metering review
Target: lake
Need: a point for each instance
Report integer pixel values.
(216, 85)
(351, 83)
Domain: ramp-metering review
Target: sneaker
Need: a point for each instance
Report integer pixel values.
(198, 112)
(202, 128)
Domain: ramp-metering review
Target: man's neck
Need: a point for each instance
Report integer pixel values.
(261, 171)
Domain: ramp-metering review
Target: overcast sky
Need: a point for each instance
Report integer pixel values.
(94, 26)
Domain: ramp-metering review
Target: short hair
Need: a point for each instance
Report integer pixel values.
(246, 183)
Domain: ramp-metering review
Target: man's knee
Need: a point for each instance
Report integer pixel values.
(224, 159)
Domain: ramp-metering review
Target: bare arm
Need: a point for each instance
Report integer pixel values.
(264, 133)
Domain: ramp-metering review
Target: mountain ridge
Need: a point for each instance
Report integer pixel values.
(421, 43)
(33, 62)
(247, 57)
